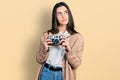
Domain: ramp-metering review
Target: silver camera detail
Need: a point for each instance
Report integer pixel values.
(55, 39)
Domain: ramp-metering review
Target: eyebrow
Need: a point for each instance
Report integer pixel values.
(64, 11)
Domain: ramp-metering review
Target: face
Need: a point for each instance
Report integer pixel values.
(62, 15)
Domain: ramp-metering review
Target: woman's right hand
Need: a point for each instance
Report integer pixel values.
(47, 41)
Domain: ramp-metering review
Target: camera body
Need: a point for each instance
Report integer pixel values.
(55, 39)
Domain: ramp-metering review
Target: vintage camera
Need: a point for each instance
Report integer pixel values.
(55, 39)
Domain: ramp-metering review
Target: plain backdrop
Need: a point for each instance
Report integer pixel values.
(22, 22)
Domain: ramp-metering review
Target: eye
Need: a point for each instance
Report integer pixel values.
(59, 13)
(66, 12)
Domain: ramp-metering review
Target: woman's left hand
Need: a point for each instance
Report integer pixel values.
(65, 43)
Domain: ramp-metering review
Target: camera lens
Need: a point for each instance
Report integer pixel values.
(56, 41)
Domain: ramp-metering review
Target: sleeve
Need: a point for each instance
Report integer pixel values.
(41, 55)
(74, 56)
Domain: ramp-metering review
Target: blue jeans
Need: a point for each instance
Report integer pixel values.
(50, 75)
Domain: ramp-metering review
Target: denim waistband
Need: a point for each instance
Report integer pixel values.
(52, 68)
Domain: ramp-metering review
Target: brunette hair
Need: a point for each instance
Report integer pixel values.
(70, 25)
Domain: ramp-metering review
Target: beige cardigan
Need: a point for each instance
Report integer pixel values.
(71, 60)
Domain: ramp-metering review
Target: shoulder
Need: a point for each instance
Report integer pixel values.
(46, 33)
(77, 36)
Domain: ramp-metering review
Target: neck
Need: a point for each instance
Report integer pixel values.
(62, 28)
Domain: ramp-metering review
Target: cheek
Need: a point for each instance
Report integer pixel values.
(67, 16)
(59, 18)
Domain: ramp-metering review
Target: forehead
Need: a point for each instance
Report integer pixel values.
(61, 9)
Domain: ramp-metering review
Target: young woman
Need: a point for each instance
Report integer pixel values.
(59, 62)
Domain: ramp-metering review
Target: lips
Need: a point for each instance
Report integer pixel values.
(64, 20)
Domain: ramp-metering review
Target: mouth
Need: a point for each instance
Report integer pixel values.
(64, 20)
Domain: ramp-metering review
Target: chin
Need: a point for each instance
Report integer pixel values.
(64, 23)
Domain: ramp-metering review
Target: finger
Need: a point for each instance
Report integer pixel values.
(62, 41)
(45, 39)
(46, 36)
(48, 40)
(63, 45)
(49, 46)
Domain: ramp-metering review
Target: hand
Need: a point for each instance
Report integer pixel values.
(65, 43)
(47, 41)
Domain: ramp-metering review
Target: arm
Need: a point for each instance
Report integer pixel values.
(75, 54)
(41, 55)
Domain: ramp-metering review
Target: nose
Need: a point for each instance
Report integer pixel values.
(63, 15)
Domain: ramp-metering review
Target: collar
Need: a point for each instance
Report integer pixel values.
(66, 33)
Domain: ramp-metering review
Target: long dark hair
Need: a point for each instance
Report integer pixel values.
(70, 25)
